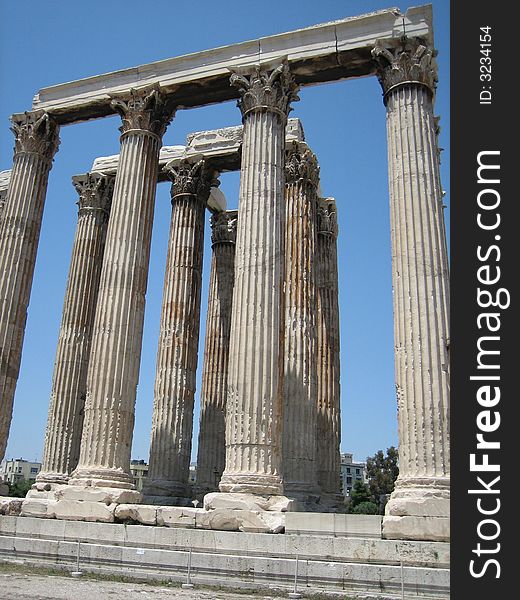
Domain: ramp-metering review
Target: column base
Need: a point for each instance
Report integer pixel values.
(45, 480)
(100, 477)
(419, 509)
(167, 492)
(251, 483)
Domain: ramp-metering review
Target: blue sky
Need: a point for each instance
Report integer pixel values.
(344, 125)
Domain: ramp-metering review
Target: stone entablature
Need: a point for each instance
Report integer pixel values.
(317, 54)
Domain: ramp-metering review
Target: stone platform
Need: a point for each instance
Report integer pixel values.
(347, 565)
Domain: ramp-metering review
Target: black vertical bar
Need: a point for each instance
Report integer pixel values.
(483, 121)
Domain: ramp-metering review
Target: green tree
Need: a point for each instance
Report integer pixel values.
(366, 508)
(382, 471)
(19, 489)
(361, 500)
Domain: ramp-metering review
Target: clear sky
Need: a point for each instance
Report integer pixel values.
(54, 41)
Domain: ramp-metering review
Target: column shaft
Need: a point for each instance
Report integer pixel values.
(172, 426)
(36, 143)
(420, 283)
(118, 326)
(254, 404)
(300, 409)
(211, 456)
(69, 383)
(328, 398)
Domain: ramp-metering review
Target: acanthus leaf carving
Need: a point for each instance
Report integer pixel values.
(224, 227)
(271, 90)
(148, 109)
(301, 163)
(327, 219)
(188, 178)
(410, 62)
(95, 191)
(36, 132)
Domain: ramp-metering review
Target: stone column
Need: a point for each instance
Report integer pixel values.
(69, 382)
(300, 409)
(118, 325)
(328, 397)
(254, 404)
(36, 142)
(419, 506)
(175, 380)
(211, 456)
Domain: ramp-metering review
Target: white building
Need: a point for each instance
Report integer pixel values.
(351, 471)
(15, 470)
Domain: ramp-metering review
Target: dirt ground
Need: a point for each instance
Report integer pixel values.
(21, 586)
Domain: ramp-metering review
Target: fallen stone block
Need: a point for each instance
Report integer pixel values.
(77, 510)
(172, 516)
(41, 507)
(140, 513)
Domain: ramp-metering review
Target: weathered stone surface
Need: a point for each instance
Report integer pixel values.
(40, 507)
(321, 53)
(253, 444)
(251, 502)
(10, 506)
(435, 529)
(78, 510)
(97, 494)
(328, 348)
(262, 522)
(175, 379)
(36, 142)
(421, 291)
(333, 524)
(69, 382)
(142, 513)
(226, 519)
(118, 326)
(177, 517)
(300, 369)
(211, 456)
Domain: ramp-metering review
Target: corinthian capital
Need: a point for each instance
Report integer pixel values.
(224, 227)
(147, 109)
(36, 132)
(95, 192)
(301, 164)
(327, 219)
(191, 179)
(269, 90)
(410, 62)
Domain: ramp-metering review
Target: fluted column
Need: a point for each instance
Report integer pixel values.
(69, 382)
(211, 455)
(407, 74)
(254, 404)
(328, 396)
(118, 325)
(36, 142)
(300, 409)
(172, 423)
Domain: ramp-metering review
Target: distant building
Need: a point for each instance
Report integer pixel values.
(192, 477)
(351, 472)
(139, 471)
(16, 470)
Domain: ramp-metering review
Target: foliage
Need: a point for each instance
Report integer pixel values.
(19, 489)
(382, 471)
(365, 508)
(359, 494)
